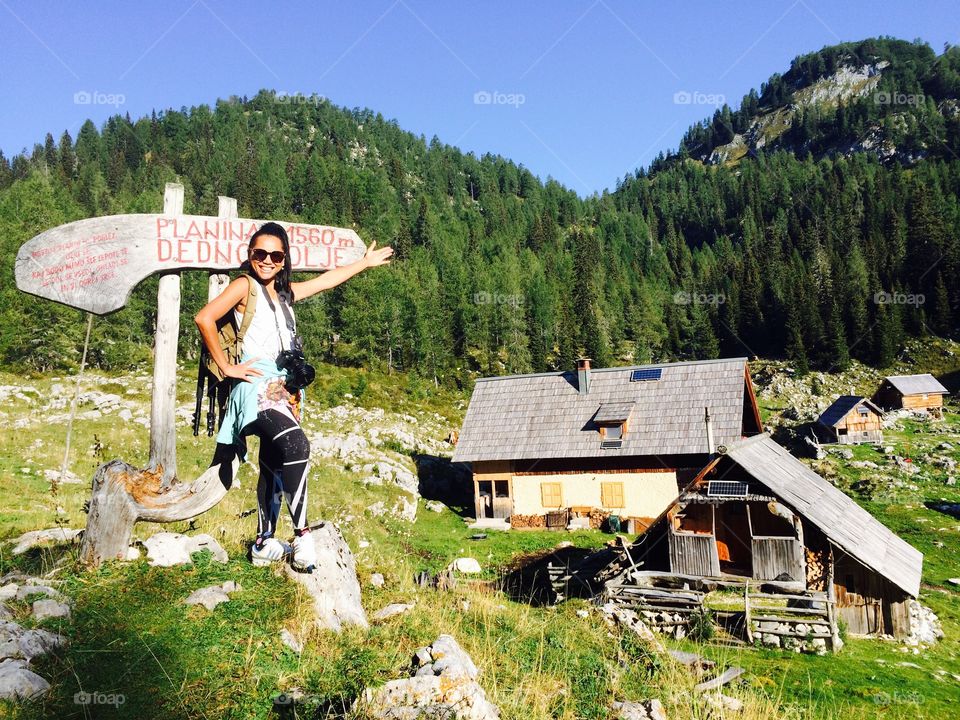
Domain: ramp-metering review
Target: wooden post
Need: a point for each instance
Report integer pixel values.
(163, 425)
(219, 281)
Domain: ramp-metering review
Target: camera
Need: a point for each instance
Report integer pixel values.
(300, 373)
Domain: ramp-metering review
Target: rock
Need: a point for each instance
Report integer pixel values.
(443, 684)
(165, 549)
(15, 642)
(629, 619)
(952, 581)
(18, 682)
(583, 613)
(125, 415)
(132, 553)
(38, 537)
(406, 509)
(846, 454)
(25, 592)
(643, 710)
(290, 640)
(67, 478)
(466, 565)
(212, 595)
(925, 627)
(9, 591)
(377, 509)
(435, 506)
(391, 610)
(376, 580)
(333, 585)
(44, 609)
(723, 702)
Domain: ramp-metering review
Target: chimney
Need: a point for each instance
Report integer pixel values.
(706, 419)
(583, 375)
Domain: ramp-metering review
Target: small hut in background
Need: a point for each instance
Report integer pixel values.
(755, 513)
(913, 392)
(850, 420)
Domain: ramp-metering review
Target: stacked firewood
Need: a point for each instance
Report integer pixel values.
(598, 518)
(817, 569)
(528, 521)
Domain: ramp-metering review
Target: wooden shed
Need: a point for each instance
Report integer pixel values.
(913, 392)
(850, 420)
(573, 448)
(758, 513)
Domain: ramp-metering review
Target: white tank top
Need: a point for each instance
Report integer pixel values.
(262, 338)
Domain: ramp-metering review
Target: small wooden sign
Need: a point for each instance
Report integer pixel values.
(94, 264)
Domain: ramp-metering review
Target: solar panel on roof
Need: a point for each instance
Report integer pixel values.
(610, 444)
(647, 374)
(727, 488)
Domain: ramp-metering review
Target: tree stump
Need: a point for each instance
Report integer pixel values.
(123, 495)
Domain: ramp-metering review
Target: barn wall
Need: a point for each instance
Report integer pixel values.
(918, 402)
(869, 603)
(645, 494)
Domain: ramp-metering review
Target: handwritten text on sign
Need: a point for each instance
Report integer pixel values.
(94, 264)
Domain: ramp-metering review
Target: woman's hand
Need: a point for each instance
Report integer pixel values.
(243, 371)
(332, 278)
(374, 257)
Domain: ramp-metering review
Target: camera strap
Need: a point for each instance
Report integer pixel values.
(287, 315)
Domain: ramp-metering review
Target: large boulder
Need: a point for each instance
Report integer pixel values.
(333, 584)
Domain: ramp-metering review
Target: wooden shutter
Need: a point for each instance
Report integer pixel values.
(551, 494)
(611, 494)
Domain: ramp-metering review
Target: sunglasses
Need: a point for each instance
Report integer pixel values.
(259, 255)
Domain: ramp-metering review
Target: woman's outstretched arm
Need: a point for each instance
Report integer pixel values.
(332, 278)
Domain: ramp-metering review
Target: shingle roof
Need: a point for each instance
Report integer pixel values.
(615, 412)
(544, 416)
(916, 384)
(832, 416)
(842, 520)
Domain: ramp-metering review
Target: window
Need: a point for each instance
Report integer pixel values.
(864, 411)
(551, 495)
(611, 494)
(613, 432)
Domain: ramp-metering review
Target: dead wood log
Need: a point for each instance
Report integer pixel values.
(122, 495)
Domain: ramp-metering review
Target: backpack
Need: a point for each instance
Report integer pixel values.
(230, 336)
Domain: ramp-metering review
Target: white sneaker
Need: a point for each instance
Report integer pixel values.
(304, 553)
(271, 551)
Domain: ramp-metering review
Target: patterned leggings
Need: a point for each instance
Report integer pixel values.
(284, 462)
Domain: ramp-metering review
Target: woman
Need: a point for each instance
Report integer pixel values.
(260, 404)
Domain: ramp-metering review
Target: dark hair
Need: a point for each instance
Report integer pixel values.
(282, 282)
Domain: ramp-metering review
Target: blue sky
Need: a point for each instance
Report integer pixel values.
(583, 91)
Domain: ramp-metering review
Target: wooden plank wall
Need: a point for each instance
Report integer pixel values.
(773, 556)
(694, 554)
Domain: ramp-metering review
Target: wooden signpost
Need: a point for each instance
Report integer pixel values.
(94, 265)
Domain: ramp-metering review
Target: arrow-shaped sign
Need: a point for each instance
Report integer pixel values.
(94, 264)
